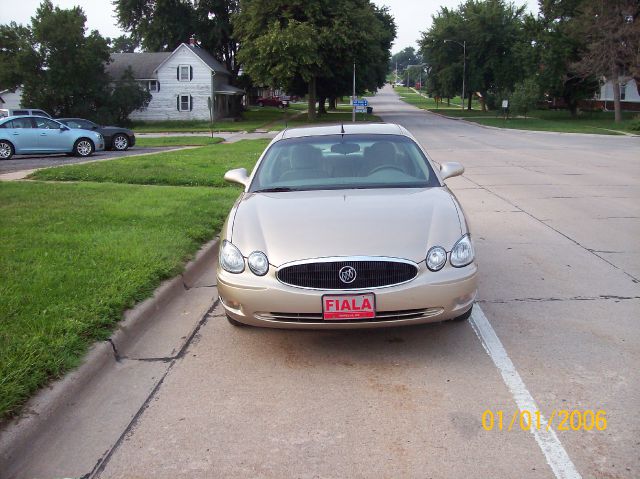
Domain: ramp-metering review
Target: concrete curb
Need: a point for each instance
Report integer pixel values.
(18, 433)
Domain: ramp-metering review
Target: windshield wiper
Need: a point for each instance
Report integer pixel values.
(277, 189)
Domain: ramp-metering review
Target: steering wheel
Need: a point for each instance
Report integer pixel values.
(386, 167)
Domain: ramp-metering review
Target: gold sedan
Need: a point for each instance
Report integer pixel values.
(346, 227)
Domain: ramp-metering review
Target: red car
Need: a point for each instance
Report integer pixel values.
(273, 101)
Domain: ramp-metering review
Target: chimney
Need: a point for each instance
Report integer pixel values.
(192, 41)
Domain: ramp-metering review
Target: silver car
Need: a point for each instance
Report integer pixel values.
(346, 227)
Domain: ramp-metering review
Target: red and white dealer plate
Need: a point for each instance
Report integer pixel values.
(348, 306)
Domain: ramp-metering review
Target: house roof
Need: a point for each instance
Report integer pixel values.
(143, 64)
(203, 55)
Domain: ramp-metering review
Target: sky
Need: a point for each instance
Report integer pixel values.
(412, 16)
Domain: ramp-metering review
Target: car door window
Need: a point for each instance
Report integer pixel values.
(19, 123)
(73, 124)
(87, 125)
(46, 124)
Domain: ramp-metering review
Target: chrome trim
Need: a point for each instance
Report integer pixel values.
(333, 259)
(380, 316)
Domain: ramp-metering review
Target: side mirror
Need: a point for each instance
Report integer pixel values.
(450, 169)
(64, 128)
(239, 176)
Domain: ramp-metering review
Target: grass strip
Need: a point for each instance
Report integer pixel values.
(204, 166)
(73, 257)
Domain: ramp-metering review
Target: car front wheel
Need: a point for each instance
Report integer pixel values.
(120, 142)
(465, 316)
(83, 147)
(6, 150)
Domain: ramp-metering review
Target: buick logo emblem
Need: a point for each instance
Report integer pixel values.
(347, 274)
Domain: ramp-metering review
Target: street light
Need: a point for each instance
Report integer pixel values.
(464, 63)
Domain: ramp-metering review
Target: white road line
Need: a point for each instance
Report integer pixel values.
(553, 451)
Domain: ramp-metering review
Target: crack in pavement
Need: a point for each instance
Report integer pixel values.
(574, 298)
(104, 460)
(591, 251)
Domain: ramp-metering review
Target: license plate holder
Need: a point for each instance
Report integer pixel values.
(344, 307)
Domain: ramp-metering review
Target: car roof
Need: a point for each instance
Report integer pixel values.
(13, 117)
(345, 129)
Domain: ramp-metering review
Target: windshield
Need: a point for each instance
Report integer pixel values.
(343, 162)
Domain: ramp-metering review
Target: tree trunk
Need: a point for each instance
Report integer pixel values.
(321, 105)
(469, 103)
(573, 108)
(617, 106)
(311, 101)
(333, 103)
(448, 101)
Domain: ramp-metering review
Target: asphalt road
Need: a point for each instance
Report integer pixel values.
(555, 220)
(30, 162)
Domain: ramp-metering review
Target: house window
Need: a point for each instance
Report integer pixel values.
(623, 91)
(153, 86)
(185, 103)
(184, 73)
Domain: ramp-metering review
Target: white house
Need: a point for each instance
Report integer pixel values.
(629, 94)
(11, 99)
(180, 82)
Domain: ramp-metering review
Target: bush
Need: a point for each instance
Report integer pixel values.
(525, 96)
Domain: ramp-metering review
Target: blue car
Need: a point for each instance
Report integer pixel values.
(21, 135)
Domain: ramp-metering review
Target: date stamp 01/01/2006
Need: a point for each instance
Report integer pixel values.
(565, 419)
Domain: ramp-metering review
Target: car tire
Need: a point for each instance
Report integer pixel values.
(6, 150)
(260, 104)
(83, 147)
(281, 106)
(235, 323)
(465, 316)
(120, 142)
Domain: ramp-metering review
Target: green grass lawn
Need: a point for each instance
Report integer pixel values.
(146, 142)
(194, 167)
(73, 257)
(598, 122)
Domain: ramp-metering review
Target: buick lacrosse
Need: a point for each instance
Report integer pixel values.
(346, 226)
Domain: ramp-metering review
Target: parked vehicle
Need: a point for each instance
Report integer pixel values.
(22, 135)
(4, 112)
(115, 138)
(273, 101)
(346, 226)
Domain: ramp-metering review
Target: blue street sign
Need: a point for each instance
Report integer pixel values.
(362, 102)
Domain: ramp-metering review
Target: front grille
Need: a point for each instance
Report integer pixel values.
(381, 316)
(369, 274)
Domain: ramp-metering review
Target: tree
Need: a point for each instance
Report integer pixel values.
(612, 33)
(124, 98)
(525, 96)
(313, 45)
(162, 25)
(62, 69)
(492, 30)
(561, 45)
(124, 44)
(404, 58)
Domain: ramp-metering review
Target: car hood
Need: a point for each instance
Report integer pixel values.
(114, 129)
(400, 223)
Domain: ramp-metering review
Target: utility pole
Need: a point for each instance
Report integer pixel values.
(353, 97)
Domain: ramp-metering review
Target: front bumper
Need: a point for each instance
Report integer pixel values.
(265, 301)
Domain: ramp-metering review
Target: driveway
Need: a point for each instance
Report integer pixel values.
(30, 162)
(555, 219)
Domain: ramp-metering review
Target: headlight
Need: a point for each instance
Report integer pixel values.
(231, 259)
(462, 252)
(436, 258)
(258, 263)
